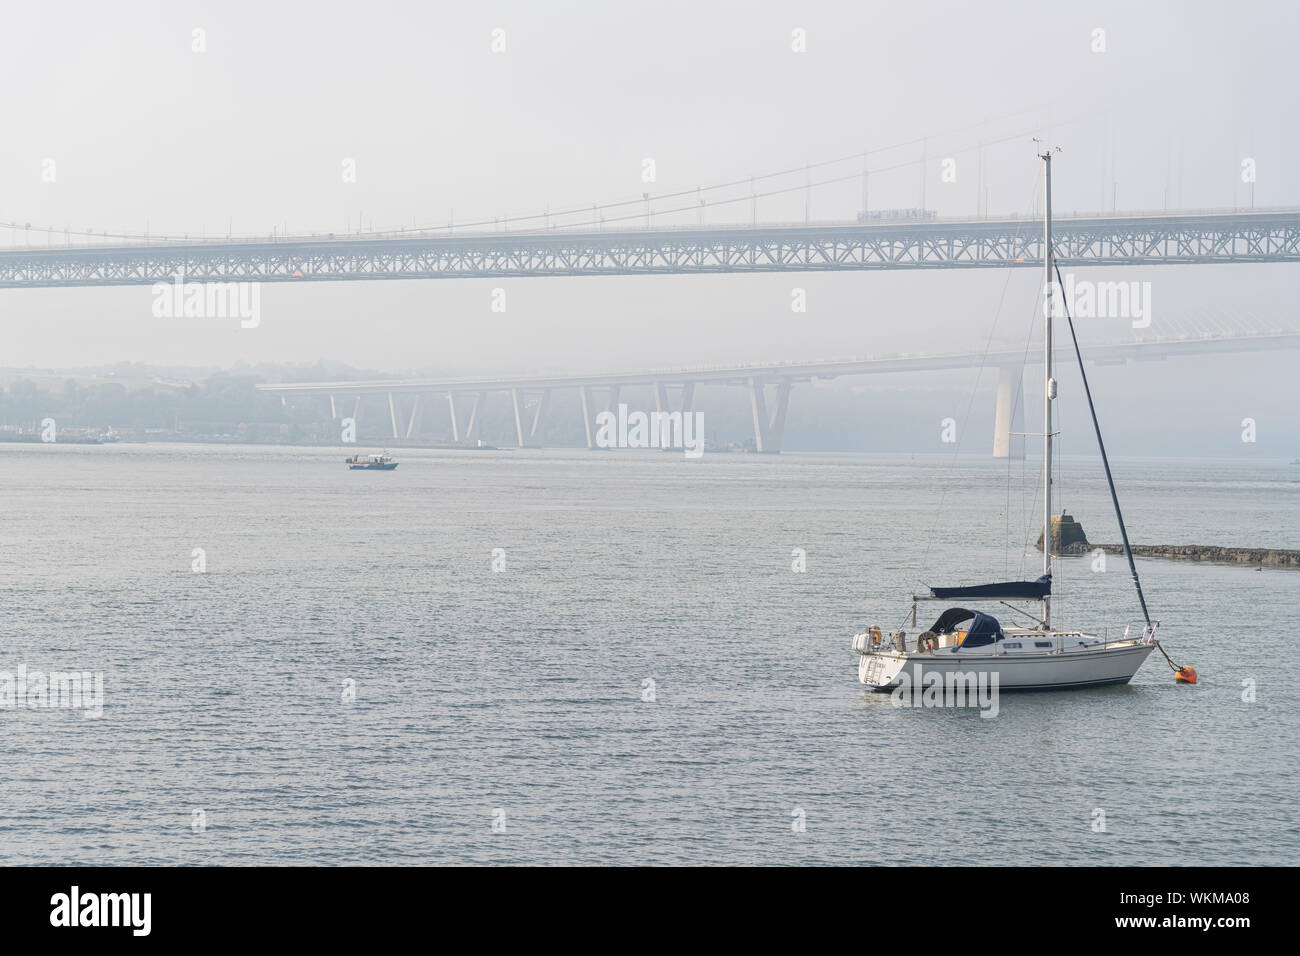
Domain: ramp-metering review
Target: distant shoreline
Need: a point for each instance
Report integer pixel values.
(279, 443)
(720, 449)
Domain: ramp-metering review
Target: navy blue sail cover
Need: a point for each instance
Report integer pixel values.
(1007, 590)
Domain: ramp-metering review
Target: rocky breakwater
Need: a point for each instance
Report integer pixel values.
(1068, 538)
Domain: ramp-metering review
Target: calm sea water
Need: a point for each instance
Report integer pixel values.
(516, 696)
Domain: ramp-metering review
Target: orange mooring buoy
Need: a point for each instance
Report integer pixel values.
(1185, 675)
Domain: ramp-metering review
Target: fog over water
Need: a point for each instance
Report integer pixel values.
(614, 654)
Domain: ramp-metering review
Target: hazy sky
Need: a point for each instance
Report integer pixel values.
(252, 133)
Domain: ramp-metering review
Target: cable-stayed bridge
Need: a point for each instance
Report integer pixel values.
(1203, 237)
(769, 386)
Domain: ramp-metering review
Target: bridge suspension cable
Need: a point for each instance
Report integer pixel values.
(595, 210)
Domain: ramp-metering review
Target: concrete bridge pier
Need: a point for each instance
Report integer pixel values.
(519, 398)
(588, 401)
(475, 426)
(588, 395)
(1009, 413)
(535, 432)
(455, 422)
(519, 417)
(776, 425)
(471, 430)
(769, 429)
(661, 406)
(414, 422)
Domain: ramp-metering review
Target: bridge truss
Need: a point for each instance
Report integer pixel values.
(1101, 241)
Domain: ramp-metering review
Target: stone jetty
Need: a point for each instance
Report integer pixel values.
(1068, 538)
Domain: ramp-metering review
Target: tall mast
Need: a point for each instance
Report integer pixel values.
(1049, 384)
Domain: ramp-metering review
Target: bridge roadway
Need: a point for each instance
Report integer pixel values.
(1118, 240)
(769, 423)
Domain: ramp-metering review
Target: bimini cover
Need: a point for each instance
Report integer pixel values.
(1006, 591)
(950, 618)
(983, 630)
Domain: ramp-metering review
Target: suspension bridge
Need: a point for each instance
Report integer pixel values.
(1114, 240)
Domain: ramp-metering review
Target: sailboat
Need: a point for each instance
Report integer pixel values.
(969, 645)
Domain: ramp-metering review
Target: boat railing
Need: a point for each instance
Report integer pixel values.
(1137, 633)
(875, 640)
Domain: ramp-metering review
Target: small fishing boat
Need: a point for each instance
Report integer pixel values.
(964, 645)
(371, 463)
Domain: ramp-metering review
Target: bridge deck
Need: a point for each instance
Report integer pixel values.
(1155, 349)
(1264, 236)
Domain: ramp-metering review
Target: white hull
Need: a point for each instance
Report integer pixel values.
(1110, 664)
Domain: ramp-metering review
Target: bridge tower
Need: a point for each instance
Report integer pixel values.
(1009, 413)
